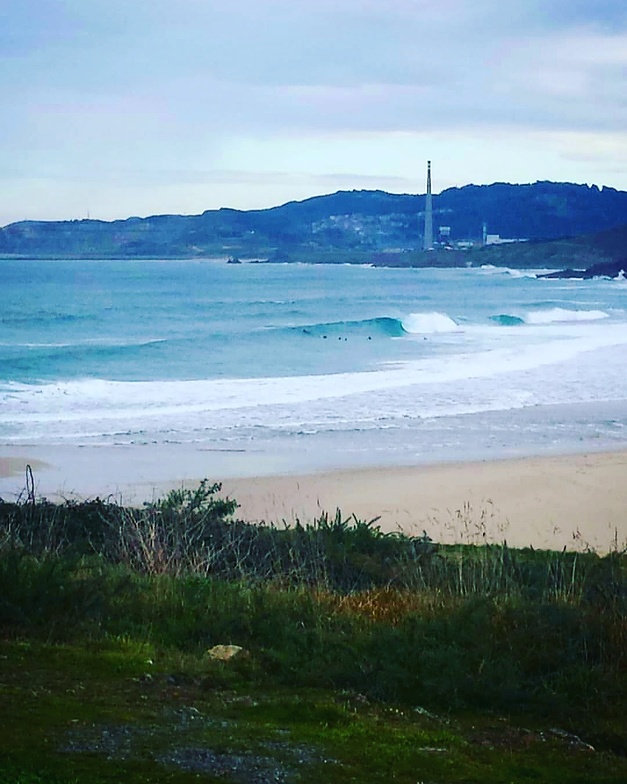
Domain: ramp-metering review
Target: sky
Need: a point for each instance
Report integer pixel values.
(113, 108)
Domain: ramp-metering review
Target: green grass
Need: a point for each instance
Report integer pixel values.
(371, 656)
(94, 715)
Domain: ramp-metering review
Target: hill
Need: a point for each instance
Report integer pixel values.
(358, 223)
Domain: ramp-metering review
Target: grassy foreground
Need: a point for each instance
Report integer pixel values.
(368, 656)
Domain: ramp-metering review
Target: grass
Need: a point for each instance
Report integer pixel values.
(101, 714)
(371, 656)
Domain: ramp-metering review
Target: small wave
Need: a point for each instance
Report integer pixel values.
(95, 343)
(506, 320)
(561, 314)
(42, 317)
(428, 323)
(490, 269)
(28, 353)
(519, 273)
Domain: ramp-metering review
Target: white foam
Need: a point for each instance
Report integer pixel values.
(441, 385)
(561, 314)
(428, 323)
(490, 269)
(518, 273)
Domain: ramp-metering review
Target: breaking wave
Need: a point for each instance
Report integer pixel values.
(561, 314)
(428, 323)
(412, 324)
(505, 320)
(384, 326)
(548, 316)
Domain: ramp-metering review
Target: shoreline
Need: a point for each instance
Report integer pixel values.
(574, 500)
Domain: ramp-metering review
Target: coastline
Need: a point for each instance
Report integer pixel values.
(575, 500)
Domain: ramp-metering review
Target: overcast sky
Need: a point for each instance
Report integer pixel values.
(112, 108)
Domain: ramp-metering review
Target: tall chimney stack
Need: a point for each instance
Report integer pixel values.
(428, 243)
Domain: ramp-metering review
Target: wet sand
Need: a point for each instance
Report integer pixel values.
(16, 466)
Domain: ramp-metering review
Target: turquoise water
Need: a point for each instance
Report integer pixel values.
(371, 365)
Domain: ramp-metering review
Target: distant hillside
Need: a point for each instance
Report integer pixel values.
(351, 222)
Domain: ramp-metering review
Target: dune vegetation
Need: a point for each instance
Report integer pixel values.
(365, 655)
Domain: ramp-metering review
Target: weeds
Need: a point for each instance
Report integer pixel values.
(336, 602)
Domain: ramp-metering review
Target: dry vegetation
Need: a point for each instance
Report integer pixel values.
(334, 604)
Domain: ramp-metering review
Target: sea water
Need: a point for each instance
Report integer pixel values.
(328, 365)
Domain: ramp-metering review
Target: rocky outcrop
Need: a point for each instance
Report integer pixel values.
(606, 269)
(568, 274)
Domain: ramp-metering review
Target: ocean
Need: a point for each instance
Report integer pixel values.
(305, 367)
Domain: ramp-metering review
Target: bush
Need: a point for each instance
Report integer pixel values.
(336, 602)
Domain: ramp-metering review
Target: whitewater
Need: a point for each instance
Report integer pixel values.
(328, 365)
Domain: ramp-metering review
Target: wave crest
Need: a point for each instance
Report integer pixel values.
(505, 320)
(428, 323)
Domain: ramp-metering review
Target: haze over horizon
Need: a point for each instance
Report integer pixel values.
(148, 107)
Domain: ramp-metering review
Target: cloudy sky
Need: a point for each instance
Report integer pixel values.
(113, 108)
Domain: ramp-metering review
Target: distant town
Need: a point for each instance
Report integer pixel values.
(539, 224)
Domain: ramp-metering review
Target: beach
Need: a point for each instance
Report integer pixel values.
(473, 404)
(576, 501)
(572, 501)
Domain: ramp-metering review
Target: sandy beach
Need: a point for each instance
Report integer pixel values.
(574, 501)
